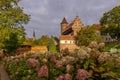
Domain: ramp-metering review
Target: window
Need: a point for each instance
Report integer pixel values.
(65, 41)
(106, 39)
(74, 42)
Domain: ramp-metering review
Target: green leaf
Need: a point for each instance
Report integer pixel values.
(12, 32)
(86, 64)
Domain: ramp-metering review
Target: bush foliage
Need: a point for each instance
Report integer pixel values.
(90, 63)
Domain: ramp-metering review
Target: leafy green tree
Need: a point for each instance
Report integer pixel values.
(44, 40)
(9, 42)
(52, 47)
(111, 22)
(12, 18)
(87, 35)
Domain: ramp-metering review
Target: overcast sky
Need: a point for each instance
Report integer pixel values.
(46, 15)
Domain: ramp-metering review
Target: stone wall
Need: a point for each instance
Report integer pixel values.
(33, 49)
(42, 49)
(71, 47)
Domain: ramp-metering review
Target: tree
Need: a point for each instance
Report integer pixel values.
(44, 40)
(12, 18)
(87, 35)
(111, 22)
(9, 39)
(52, 47)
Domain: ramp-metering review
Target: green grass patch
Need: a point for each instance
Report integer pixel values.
(109, 46)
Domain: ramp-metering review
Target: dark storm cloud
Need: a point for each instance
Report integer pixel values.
(46, 15)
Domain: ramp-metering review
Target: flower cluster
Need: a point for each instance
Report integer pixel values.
(82, 74)
(69, 68)
(51, 56)
(64, 77)
(113, 50)
(32, 62)
(101, 45)
(43, 72)
(61, 77)
(67, 60)
(82, 54)
(59, 64)
(93, 44)
(90, 62)
(103, 57)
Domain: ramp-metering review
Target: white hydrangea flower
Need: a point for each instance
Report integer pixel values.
(113, 50)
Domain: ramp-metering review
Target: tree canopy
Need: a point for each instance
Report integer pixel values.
(12, 19)
(44, 40)
(52, 47)
(111, 22)
(87, 35)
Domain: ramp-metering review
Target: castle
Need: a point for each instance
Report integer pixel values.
(68, 37)
(69, 33)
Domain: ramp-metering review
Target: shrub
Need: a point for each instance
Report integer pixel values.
(87, 63)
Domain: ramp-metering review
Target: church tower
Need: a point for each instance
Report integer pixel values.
(33, 35)
(64, 24)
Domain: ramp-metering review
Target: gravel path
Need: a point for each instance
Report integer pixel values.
(3, 73)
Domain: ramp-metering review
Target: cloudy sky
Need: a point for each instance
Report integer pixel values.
(46, 15)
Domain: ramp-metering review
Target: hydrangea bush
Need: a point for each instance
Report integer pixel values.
(88, 63)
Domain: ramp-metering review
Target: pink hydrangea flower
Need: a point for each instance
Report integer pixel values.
(32, 62)
(68, 77)
(43, 72)
(69, 68)
(82, 74)
(61, 77)
(59, 64)
(64, 77)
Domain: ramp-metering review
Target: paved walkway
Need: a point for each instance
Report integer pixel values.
(3, 73)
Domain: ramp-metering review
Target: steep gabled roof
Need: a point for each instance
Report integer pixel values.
(68, 27)
(64, 21)
(72, 23)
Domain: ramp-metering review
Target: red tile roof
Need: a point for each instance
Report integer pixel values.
(30, 39)
(67, 37)
(97, 26)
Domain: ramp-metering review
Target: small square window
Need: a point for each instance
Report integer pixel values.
(65, 41)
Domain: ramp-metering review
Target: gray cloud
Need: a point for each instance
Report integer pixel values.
(46, 15)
